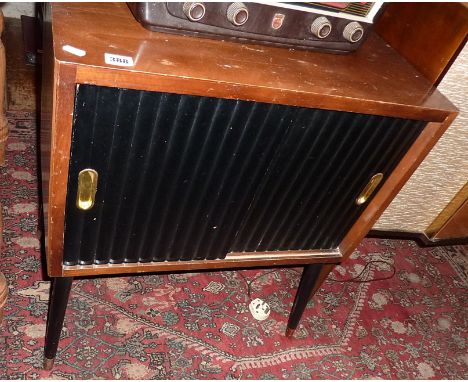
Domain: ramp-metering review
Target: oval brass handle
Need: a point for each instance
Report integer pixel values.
(87, 186)
(369, 189)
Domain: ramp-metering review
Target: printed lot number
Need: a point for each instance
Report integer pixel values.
(116, 59)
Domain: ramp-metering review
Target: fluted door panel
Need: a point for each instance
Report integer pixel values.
(183, 177)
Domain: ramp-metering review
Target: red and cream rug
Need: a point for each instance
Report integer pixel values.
(198, 325)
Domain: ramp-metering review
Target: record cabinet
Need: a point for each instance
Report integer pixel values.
(170, 153)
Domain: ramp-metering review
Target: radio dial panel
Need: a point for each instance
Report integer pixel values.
(282, 24)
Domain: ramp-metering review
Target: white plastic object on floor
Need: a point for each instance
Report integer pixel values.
(260, 309)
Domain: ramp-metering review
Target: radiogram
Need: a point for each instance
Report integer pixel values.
(184, 154)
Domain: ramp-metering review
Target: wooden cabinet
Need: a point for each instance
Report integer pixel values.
(207, 154)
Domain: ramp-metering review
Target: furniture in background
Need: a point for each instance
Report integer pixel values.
(203, 154)
(452, 222)
(3, 138)
(432, 37)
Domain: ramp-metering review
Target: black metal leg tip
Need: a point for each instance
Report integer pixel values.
(48, 363)
(289, 332)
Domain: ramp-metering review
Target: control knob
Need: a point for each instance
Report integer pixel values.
(321, 27)
(353, 32)
(194, 11)
(237, 14)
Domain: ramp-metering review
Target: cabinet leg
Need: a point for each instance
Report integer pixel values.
(60, 291)
(312, 277)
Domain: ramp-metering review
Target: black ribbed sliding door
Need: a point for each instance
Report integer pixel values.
(183, 177)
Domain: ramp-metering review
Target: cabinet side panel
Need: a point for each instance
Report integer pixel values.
(428, 35)
(46, 117)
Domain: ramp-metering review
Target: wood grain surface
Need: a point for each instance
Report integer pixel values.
(428, 35)
(457, 225)
(374, 79)
(62, 115)
(246, 260)
(452, 222)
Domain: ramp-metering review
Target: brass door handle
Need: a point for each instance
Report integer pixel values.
(87, 187)
(369, 188)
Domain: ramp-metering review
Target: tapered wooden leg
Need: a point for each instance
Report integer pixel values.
(60, 291)
(312, 277)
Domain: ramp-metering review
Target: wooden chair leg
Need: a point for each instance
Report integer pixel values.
(312, 277)
(59, 293)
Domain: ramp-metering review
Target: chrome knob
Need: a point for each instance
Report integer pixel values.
(321, 27)
(353, 32)
(194, 11)
(237, 14)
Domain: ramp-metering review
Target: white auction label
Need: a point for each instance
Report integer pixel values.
(116, 59)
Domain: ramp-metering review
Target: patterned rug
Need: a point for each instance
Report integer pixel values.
(198, 325)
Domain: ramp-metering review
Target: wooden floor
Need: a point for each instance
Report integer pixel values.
(21, 77)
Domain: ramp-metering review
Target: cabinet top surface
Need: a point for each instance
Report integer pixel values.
(375, 75)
